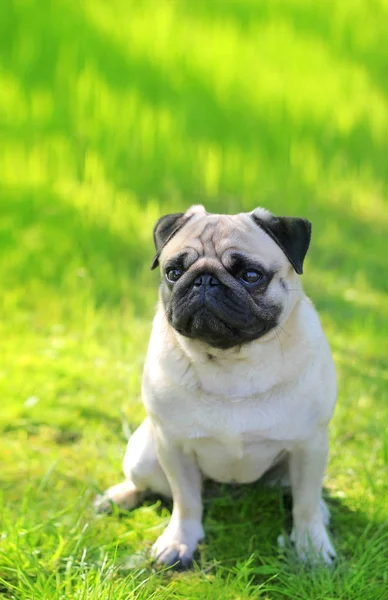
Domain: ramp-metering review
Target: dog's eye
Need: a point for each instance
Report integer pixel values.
(173, 274)
(251, 276)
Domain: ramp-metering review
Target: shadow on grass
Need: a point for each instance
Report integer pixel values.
(247, 519)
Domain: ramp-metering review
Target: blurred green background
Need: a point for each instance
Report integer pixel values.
(113, 113)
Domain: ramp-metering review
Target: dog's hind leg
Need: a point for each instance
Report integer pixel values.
(142, 473)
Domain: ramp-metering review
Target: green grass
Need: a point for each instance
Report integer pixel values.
(113, 113)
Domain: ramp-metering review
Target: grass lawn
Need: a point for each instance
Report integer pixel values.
(113, 113)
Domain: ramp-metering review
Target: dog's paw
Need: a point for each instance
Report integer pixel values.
(177, 544)
(312, 544)
(124, 495)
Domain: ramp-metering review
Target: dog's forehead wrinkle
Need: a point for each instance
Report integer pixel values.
(207, 232)
(213, 231)
(206, 238)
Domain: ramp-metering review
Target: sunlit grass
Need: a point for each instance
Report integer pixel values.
(111, 114)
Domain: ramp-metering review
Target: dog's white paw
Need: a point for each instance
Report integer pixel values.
(177, 543)
(312, 543)
(124, 495)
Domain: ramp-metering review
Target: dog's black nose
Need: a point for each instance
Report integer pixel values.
(206, 279)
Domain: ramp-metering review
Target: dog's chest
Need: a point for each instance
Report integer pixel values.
(236, 380)
(232, 423)
(231, 404)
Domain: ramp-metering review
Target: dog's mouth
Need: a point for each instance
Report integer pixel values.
(206, 326)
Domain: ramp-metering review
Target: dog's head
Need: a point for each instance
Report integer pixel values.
(227, 279)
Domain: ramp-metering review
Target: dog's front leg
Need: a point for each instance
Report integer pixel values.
(307, 466)
(178, 542)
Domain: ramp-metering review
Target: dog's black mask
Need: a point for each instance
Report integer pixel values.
(213, 306)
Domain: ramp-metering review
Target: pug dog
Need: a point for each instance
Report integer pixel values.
(238, 377)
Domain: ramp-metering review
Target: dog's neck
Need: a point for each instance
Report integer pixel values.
(200, 352)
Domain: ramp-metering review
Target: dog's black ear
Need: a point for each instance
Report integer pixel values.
(165, 228)
(291, 234)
